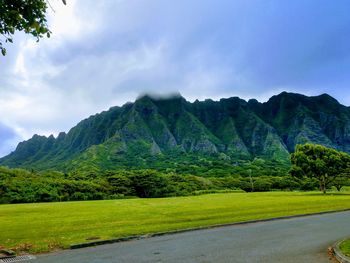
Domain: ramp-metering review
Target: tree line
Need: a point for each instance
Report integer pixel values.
(313, 167)
(22, 186)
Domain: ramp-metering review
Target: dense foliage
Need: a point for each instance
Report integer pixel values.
(313, 166)
(326, 165)
(22, 15)
(22, 186)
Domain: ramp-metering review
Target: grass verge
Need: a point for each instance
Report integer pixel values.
(345, 247)
(43, 227)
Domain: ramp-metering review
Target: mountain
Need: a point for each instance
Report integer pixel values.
(155, 132)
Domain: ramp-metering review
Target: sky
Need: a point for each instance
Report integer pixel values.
(108, 52)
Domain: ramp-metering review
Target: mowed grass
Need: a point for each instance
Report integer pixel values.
(345, 247)
(44, 227)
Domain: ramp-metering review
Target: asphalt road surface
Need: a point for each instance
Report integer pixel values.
(303, 239)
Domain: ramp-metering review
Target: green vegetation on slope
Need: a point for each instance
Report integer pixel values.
(345, 247)
(173, 130)
(313, 166)
(46, 226)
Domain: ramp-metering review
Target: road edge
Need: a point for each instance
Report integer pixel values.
(138, 237)
(338, 254)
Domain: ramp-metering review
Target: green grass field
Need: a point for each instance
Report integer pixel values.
(345, 247)
(48, 226)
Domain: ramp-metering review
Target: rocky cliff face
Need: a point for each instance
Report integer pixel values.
(300, 119)
(230, 128)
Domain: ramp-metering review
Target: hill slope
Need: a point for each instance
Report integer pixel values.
(166, 131)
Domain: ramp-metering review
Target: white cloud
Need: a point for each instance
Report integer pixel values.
(105, 53)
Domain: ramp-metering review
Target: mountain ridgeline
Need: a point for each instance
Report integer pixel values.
(164, 132)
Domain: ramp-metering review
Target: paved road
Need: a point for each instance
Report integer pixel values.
(303, 239)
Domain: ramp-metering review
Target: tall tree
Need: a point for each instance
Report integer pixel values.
(317, 161)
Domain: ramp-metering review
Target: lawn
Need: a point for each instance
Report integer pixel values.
(345, 247)
(44, 227)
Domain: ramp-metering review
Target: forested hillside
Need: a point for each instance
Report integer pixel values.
(176, 135)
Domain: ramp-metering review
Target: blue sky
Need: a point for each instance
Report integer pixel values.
(105, 53)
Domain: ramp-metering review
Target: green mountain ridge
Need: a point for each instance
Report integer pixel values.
(168, 130)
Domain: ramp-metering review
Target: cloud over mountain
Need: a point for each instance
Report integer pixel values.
(104, 57)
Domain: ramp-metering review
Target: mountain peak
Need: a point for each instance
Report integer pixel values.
(285, 94)
(327, 97)
(155, 97)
